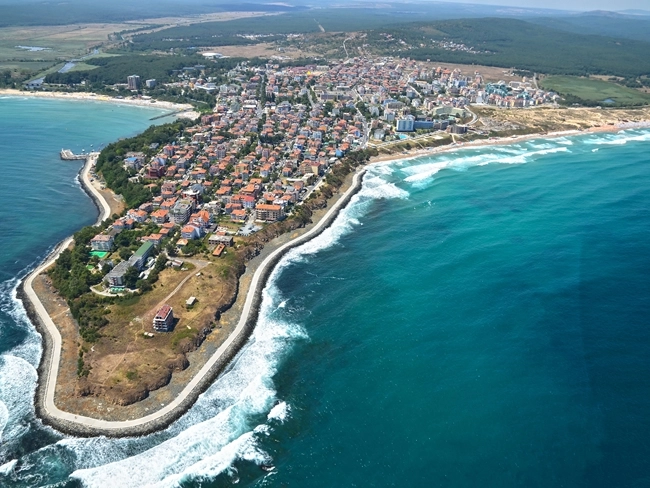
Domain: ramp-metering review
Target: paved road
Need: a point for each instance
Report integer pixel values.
(112, 426)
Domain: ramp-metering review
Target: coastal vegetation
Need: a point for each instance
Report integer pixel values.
(116, 69)
(110, 161)
(16, 13)
(110, 323)
(593, 92)
(514, 43)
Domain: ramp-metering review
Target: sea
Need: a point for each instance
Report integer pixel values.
(478, 317)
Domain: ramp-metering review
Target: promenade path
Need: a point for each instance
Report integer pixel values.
(106, 427)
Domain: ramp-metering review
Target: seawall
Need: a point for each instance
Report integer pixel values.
(239, 339)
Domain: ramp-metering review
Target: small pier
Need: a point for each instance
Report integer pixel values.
(68, 155)
(166, 115)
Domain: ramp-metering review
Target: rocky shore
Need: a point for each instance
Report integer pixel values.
(78, 425)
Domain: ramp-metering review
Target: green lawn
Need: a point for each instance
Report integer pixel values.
(83, 67)
(592, 90)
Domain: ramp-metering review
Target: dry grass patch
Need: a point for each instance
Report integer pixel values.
(126, 363)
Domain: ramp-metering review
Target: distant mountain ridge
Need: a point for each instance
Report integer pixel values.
(637, 12)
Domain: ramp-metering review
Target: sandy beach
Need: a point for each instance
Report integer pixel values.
(184, 110)
(430, 151)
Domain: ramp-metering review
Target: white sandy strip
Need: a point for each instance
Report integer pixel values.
(184, 109)
(108, 426)
(105, 211)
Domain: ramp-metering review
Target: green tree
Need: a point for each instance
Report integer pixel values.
(131, 277)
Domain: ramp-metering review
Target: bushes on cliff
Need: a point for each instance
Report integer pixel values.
(111, 159)
(90, 314)
(70, 276)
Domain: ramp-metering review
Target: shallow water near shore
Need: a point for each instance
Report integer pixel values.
(474, 318)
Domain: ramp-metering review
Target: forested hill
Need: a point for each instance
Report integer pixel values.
(37, 12)
(601, 23)
(515, 43)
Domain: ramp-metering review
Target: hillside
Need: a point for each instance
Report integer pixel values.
(601, 23)
(514, 43)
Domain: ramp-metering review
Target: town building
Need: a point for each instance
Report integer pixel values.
(102, 242)
(164, 319)
(115, 277)
(133, 82)
(181, 211)
(406, 124)
(269, 213)
(139, 257)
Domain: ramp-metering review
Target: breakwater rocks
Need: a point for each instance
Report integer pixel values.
(87, 427)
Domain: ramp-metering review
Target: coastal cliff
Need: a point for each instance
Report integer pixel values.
(76, 425)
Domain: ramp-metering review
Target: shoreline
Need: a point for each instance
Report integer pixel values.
(502, 141)
(182, 109)
(79, 425)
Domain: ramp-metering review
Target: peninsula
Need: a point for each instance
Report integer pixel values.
(162, 293)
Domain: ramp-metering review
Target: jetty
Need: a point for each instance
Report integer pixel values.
(167, 114)
(68, 155)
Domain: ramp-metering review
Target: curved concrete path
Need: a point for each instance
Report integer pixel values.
(108, 427)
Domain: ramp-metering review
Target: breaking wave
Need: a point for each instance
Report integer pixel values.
(30, 349)
(619, 138)
(230, 421)
(17, 377)
(231, 417)
(420, 174)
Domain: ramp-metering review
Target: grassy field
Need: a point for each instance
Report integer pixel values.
(62, 43)
(83, 67)
(128, 360)
(595, 90)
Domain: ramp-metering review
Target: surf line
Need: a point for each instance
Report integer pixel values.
(79, 425)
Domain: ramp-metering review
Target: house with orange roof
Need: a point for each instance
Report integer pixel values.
(137, 215)
(268, 212)
(190, 231)
(160, 216)
(155, 239)
(238, 215)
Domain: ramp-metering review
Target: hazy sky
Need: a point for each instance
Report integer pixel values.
(569, 4)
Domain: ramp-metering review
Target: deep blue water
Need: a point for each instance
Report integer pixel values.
(476, 318)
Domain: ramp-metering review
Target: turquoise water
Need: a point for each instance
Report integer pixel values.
(477, 318)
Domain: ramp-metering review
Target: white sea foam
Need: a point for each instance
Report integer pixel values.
(193, 449)
(385, 168)
(420, 174)
(280, 412)
(7, 468)
(17, 377)
(618, 139)
(564, 141)
(374, 188)
(31, 348)
(546, 145)
(377, 188)
(244, 447)
(4, 418)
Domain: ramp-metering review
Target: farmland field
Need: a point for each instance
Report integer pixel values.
(594, 90)
(34, 49)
